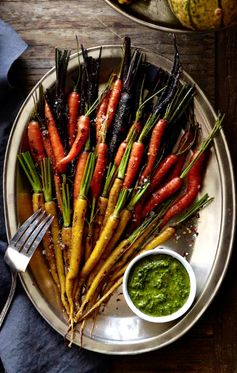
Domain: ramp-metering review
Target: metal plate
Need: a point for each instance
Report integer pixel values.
(117, 330)
(155, 14)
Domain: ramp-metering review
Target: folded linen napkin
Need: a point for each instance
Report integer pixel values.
(27, 342)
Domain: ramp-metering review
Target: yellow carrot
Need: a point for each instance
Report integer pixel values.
(162, 237)
(38, 199)
(112, 200)
(104, 239)
(76, 246)
(100, 276)
(102, 299)
(78, 224)
(51, 208)
(99, 217)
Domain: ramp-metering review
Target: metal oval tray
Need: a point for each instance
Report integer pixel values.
(155, 14)
(117, 330)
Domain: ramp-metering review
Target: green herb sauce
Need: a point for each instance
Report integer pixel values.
(158, 285)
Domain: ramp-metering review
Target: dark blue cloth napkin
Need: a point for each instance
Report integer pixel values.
(27, 343)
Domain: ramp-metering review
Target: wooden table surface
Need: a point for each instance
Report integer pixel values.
(211, 59)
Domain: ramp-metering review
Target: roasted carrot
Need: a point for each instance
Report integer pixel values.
(77, 232)
(80, 167)
(102, 300)
(51, 208)
(100, 276)
(66, 232)
(38, 201)
(104, 239)
(73, 110)
(57, 146)
(162, 170)
(134, 164)
(120, 153)
(125, 216)
(193, 185)
(83, 126)
(133, 132)
(100, 167)
(103, 108)
(154, 146)
(46, 141)
(120, 125)
(104, 271)
(73, 103)
(162, 194)
(35, 141)
(101, 114)
(99, 216)
(193, 173)
(112, 200)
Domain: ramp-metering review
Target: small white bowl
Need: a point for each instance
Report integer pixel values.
(182, 310)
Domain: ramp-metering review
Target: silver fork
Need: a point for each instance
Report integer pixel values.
(22, 247)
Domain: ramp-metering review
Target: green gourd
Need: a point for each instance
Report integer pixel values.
(205, 14)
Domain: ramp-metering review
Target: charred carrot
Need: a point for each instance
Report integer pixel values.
(117, 85)
(51, 208)
(126, 215)
(83, 129)
(165, 166)
(101, 114)
(80, 167)
(73, 109)
(35, 141)
(77, 232)
(101, 117)
(154, 146)
(162, 194)
(173, 185)
(190, 194)
(120, 127)
(83, 126)
(66, 213)
(38, 201)
(57, 146)
(73, 103)
(137, 153)
(103, 241)
(100, 167)
(134, 164)
(117, 184)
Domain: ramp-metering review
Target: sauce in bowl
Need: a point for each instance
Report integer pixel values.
(159, 285)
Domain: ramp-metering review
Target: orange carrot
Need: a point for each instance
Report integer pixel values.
(113, 100)
(96, 182)
(101, 114)
(194, 178)
(54, 137)
(35, 141)
(57, 187)
(154, 146)
(47, 143)
(134, 163)
(162, 194)
(81, 164)
(134, 130)
(73, 107)
(120, 153)
(162, 170)
(83, 125)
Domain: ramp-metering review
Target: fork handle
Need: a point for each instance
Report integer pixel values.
(10, 297)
